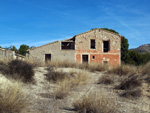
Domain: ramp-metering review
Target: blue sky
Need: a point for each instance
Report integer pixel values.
(37, 22)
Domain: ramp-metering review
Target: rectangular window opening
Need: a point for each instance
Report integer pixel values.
(106, 46)
(92, 43)
(67, 45)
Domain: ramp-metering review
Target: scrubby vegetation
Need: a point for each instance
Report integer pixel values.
(85, 66)
(68, 83)
(13, 98)
(55, 76)
(106, 79)
(131, 82)
(124, 70)
(132, 94)
(95, 103)
(18, 69)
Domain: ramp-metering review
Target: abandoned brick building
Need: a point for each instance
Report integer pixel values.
(94, 46)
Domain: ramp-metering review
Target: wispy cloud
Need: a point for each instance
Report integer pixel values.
(32, 43)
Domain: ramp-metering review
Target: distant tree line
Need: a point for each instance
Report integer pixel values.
(132, 56)
(22, 49)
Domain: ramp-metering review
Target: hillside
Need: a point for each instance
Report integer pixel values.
(143, 48)
(75, 88)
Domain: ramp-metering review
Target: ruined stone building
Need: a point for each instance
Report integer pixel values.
(94, 46)
(11, 55)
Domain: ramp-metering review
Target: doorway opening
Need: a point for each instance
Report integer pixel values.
(47, 57)
(85, 58)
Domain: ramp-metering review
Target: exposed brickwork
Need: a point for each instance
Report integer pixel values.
(97, 55)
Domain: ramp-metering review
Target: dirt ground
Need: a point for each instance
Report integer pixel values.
(42, 101)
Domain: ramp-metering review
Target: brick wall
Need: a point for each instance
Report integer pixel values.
(83, 47)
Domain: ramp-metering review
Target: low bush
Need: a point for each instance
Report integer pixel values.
(18, 69)
(4, 68)
(13, 98)
(94, 103)
(63, 89)
(131, 94)
(106, 79)
(21, 69)
(130, 83)
(55, 76)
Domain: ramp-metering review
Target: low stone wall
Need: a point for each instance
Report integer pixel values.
(8, 54)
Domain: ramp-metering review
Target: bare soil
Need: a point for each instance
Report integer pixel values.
(42, 100)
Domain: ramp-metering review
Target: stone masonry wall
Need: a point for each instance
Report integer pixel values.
(54, 49)
(83, 42)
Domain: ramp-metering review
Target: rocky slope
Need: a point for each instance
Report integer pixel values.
(143, 48)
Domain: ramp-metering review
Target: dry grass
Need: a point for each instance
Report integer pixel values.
(131, 82)
(54, 76)
(17, 69)
(91, 67)
(132, 94)
(146, 69)
(65, 85)
(106, 79)
(61, 64)
(35, 63)
(123, 70)
(63, 89)
(13, 98)
(95, 103)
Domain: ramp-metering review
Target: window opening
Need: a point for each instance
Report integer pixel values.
(106, 47)
(92, 43)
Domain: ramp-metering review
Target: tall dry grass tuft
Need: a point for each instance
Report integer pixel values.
(131, 82)
(63, 88)
(65, 85)
(123, 70)
(80, 78)
(106, 79)
(13, 98)
(146, 69)
(95, 103)
(53, 76)
(91, 67)
(132, 94)
(35, 62)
